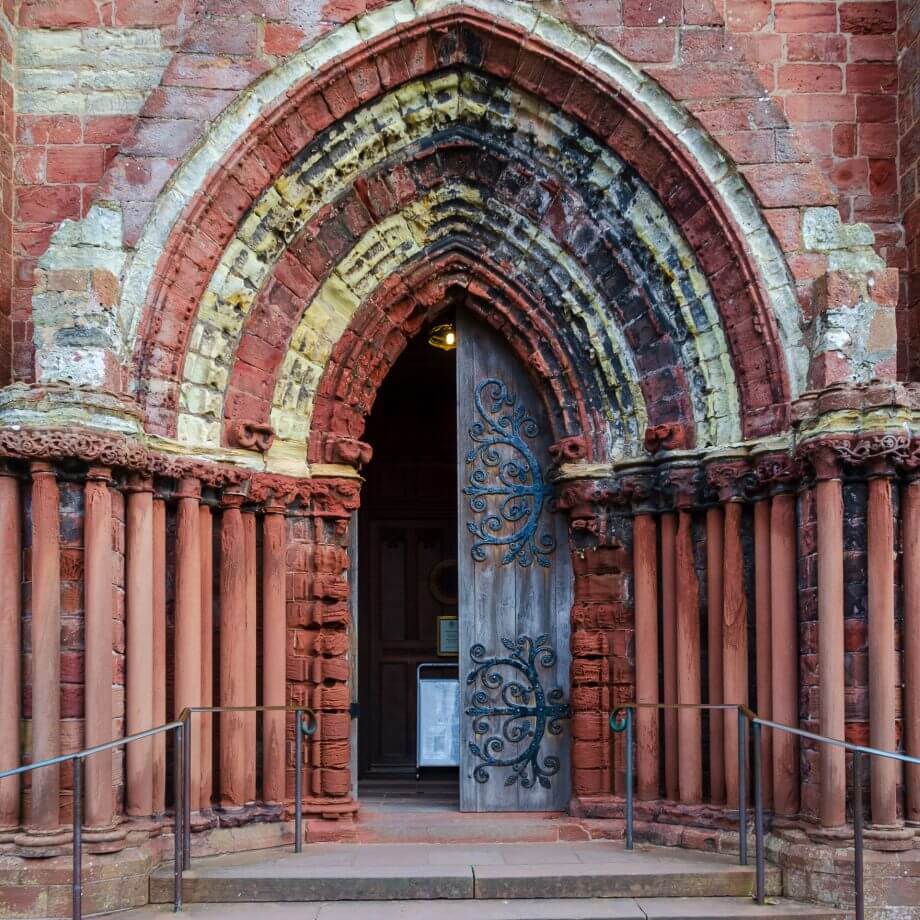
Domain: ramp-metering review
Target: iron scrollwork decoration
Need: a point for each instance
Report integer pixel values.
(526, 711)
(507, 487)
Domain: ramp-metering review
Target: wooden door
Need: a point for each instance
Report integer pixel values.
(515, 588)
(402, 610)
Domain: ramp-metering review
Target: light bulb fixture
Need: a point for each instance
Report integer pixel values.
(443, 337)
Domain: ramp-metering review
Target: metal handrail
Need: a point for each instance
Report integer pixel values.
(76, 883)
(626, 724)
(181, 788)
(301, 729)
(746, 715)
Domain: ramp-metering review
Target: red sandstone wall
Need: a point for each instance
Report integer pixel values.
(7, 130)
(781, 85)
(909, 171)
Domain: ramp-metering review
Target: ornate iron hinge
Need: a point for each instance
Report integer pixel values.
(527, 711)
(506, 487)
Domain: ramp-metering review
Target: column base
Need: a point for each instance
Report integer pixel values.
(330, 809)
(43, 843)
(914, 826)
(105, 839)
(139, 827)
(841, 835)
(9, 832)
(204, 821)
(890, 838)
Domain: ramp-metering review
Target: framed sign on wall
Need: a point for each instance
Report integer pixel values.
(448, 637)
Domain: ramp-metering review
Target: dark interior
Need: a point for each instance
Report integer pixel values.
(407, 555)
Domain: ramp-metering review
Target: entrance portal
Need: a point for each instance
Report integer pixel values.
(460, 483)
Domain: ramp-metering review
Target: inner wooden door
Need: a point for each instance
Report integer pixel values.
(515, 587)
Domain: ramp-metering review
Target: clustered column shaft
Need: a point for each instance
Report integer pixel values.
(140, 643)
(829, 503)
(98, 591)
(46, 646)
(910, 513)
(233, 654)
(187, 691)
(645, 569)
(10, 647)
(882, 660)
(274, 689)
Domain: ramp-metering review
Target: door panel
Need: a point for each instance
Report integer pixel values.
(515, 588)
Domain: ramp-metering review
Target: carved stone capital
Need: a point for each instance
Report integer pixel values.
(189, 488)
(99, 474)
(138, 482)
(639, 491)
(581, 499)
(910, 462)
(824, 458)
(334, 498)
(680, 485)
(777, 471)
(729, 478)
(877, 453)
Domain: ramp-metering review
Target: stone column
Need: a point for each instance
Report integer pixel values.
(44, 826)
(233, 656)
(645, 568)
(883, 674)
(10, 647)
(158, 742)
(139, 685)
(249, 631)
(274, 671)
(98, 598)
(763, 638)
(206, 557)
(910, 566)
(725, 475)
(715, 529)
(785, 647)
(669, 644)
(689, 721)
(187, 686)
(829, 511)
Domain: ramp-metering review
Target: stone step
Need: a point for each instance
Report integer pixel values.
(366, 872)
(484, 909)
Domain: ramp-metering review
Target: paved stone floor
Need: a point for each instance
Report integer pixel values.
(536, 909)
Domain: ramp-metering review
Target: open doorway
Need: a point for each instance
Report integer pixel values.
(407, 532)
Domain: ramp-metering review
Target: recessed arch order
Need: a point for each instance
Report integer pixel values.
(451, 141)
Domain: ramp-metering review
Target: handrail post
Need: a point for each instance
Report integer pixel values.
(187, 790)
(629, 778)
(758, 812)
(742, 788)
(76, 882)
(859, 882)
(177, 824)
(298, 780)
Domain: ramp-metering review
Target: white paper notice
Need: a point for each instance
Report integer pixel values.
(439, 723)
